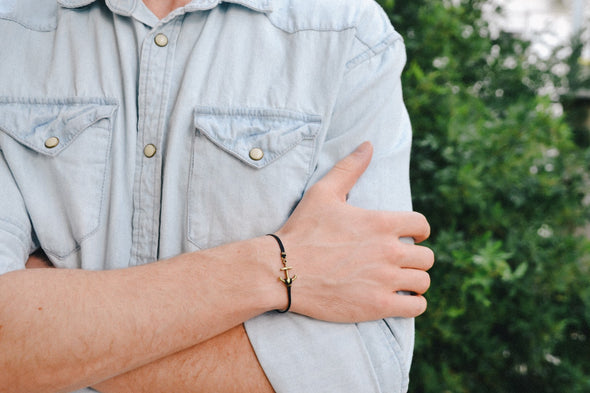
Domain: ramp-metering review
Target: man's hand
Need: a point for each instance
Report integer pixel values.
(350, 262)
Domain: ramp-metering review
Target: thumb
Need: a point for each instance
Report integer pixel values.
(347, 171)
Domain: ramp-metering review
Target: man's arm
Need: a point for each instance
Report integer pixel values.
(225, 363)
(66, 329)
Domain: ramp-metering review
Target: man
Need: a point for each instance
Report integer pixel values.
(148, 147)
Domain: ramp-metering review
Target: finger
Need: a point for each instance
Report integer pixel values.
(344, 175)
(407, 306)
(413, 257)
(407, 225)
(412, 280)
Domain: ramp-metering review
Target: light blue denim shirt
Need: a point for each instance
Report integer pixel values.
(125, 139)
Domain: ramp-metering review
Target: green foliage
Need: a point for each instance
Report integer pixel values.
(501, 178)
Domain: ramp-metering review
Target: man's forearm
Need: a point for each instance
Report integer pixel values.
(223, 364)
(66, 329)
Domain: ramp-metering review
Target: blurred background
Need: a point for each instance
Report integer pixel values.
(499, 96)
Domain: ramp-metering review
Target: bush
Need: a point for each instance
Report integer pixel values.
(496, 170)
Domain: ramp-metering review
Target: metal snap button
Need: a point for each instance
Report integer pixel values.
(161, 40)
(149, 150)
(52, 142)
(256, 154)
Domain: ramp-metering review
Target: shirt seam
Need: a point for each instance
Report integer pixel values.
(71, 100)
(318, 29)
(373, 50)
(17, 236)
(396, 351)
(43, 28)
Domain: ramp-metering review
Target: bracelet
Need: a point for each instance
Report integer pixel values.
(288, 281)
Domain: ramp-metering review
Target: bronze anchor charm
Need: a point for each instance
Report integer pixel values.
(287, 280)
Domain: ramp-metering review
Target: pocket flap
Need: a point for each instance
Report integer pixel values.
(256, 136)
(50, 127)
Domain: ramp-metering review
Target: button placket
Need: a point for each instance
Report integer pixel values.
(153, 93)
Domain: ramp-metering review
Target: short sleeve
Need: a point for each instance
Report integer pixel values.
(16, 240)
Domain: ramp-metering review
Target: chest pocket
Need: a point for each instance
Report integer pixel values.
(58, 153)
(249, 169)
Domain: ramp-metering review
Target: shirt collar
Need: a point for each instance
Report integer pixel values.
(126, 7)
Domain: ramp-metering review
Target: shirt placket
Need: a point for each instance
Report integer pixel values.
(155, 68)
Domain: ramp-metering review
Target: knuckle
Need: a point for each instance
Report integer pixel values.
(379, 219)
(400, 254)
(381, 302)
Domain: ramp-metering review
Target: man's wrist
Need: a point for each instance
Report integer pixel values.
(267, 258)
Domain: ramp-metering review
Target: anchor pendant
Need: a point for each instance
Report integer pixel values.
(287, 280)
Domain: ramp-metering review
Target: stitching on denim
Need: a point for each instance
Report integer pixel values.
(86, 236)
(50, 26)
(242, 160)
(142, 94)
(318, 29)
(397, 352)
(104, 175)
(58, 100)
(74, 4)
(270, 113)
(239, 156)
(261, 6)
(15, 225)
(313, 160)
(18, 237)
(161, 121)
(69, 141)
(189, 191)
(309, 119)
(257, 112)
(66, 142)
(61, 254)
(368, 353)
(374, 50)
(394, 348)
(119, 10)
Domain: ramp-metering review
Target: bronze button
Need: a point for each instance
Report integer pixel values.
(52, 142)
(161, 40)
(256, 154)
(149, 150)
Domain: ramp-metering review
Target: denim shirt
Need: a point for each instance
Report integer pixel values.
(125, 139)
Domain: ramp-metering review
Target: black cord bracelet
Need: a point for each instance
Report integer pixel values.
(288, 281)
